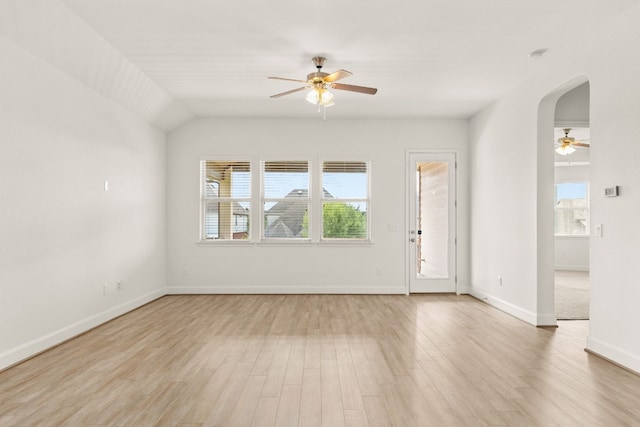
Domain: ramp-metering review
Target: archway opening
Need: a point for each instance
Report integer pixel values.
(546, 217)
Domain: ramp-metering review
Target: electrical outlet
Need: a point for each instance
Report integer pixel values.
(500, 280)
(105, 289)
(379, 271)
(119, 285)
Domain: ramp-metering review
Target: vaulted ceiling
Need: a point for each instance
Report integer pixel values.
(442, 58)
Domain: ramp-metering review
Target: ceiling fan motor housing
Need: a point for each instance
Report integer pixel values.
(319, 61)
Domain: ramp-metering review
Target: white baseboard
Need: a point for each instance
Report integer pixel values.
(38, 345)
(513, 310)
(572, 267)
(464, 289)
(548, 319)
(614, 354)
(237, 290)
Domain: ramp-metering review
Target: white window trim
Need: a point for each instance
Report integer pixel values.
(216, 242)
(318, 205)
(284, 240)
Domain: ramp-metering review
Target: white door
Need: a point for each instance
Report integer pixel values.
(432, 222)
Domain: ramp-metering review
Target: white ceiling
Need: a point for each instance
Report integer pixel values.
(444, 58)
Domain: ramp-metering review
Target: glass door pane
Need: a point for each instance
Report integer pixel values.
(432, 226)
(432, 222)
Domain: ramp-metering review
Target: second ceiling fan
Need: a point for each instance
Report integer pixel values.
(565, 145)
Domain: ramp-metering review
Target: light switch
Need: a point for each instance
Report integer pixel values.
(598, 230)
(106, 185)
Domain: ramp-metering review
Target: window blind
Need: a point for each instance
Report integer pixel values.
(285, 199)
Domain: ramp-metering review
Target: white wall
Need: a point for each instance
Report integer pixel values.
(510, 197)
(314, 268)
(572, 109)
(572, 252)
(61, 235)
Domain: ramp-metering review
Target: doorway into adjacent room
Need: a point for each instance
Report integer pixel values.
(572, 143)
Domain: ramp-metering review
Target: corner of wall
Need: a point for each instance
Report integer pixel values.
(32, 348)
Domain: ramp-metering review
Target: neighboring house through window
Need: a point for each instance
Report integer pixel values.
(285, 198)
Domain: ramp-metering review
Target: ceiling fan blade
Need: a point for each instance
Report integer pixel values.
(340, 74)
(278, 95)
(581, 144)
(289, 80)
(352, 88)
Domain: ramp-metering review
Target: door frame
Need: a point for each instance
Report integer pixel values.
(407, 226)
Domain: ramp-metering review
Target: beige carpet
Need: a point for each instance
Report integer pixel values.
(572, 295)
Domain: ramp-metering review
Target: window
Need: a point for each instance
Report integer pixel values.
(226, 200)
(572, 209)
(297, 201)
(285, 199)
(345, 200)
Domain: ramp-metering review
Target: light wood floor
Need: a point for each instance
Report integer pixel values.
(320, 360)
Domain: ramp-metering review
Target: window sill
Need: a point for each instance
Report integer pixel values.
(285, 243)
(339, 242)
(225, 243)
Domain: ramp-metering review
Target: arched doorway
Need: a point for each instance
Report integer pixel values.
(546, 315)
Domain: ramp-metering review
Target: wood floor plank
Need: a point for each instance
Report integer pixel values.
(376, 413)
(349, 385)
(311, 399)
(228, 399)
(248, 401)
(364, 372)
(277, 371)
(289, 407)
(355, 418)
(295, 362)
(320, 360)
(266, 412)
(332, 408)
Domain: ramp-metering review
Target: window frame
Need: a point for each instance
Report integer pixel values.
(263, 200)
(323, 199)
(257, 201)
(203, 201)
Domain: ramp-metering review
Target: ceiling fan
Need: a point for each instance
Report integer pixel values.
(566, 144)
(319, 84)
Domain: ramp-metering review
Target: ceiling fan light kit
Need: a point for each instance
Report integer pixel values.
(318, 83)
(567, 144)
(565, 151)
